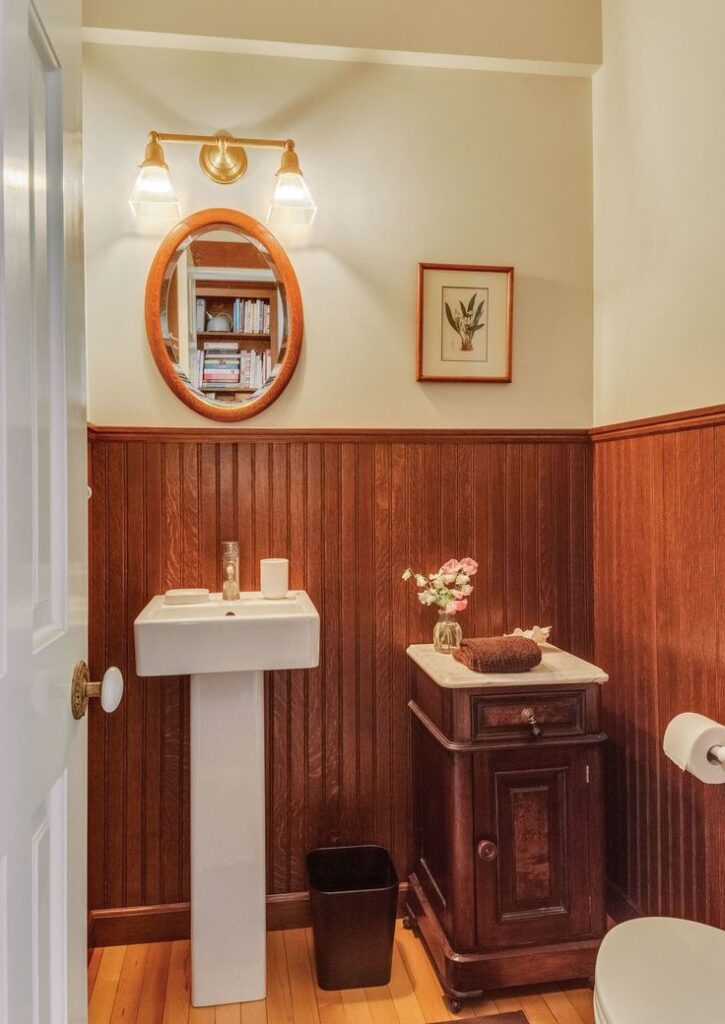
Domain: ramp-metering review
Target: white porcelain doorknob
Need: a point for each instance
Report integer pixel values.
(110, 689)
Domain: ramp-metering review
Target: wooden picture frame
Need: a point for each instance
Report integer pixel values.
(465, 323)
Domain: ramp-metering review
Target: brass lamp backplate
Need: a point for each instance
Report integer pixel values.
(223, 165)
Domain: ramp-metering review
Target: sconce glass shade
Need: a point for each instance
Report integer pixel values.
(292, 203)
(154, 191)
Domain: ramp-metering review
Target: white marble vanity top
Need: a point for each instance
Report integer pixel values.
(556, 666)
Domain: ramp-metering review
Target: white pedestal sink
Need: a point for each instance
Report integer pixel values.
(225, 646)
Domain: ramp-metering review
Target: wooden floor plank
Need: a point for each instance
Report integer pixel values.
(329, 1004)
(201, 1015)
(178, 989)
(130, 984)
(279, 997)
(356, 1006)
(230, 1013)
(406, 1003)
(582, 999)
(422, 976)
(563, 1009)
(536, 1009)
(381, 1005)
(153, 993)
(299, 971)
(100, 1006)
(94, 962)
(255, 1013)
(506, 1002)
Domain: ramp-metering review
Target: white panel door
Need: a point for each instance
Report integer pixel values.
(43, 510)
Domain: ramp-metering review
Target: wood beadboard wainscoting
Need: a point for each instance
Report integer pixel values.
(350, 509)
(659, 543)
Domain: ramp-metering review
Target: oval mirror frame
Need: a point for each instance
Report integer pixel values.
(167, 253)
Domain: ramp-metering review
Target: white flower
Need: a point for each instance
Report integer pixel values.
(407, 574)
(425, 597)
(449, 577)
(439, 584)
(466, 589)
(421, 580)
(461, 579)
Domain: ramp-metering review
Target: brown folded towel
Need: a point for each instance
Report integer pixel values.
(499, 654)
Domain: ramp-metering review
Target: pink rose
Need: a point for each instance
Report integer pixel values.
(469, 566)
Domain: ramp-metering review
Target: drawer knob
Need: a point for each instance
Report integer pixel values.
(528, 715)
(487, 849)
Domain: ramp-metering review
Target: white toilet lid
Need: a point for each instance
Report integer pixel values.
(661, 969)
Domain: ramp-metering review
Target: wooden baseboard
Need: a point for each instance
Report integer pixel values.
(165, 922)
(119, 926)
(619, 907)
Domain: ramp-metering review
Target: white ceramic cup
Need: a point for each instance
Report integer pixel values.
(274, 577)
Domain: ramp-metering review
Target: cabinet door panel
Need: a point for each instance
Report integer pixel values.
(535, 807)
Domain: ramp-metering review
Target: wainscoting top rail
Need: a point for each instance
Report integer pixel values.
(342, 435)
(691, 419)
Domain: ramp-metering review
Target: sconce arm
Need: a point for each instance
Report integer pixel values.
(215, 140)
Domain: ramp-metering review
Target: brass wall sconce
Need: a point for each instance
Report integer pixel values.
(223, 158)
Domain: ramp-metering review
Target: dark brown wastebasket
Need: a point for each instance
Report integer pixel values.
(353, 899)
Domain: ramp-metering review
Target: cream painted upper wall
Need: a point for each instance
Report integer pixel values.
(407, 165)
(553, 30)
(659, 143)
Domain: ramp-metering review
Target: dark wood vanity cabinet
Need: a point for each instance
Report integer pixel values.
(508, 885)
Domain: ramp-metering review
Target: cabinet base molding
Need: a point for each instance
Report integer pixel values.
(471, 975)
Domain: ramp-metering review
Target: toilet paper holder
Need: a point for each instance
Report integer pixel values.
(696, 744)
(716, 755)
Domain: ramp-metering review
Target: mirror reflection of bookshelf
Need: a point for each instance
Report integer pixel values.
(234, 328)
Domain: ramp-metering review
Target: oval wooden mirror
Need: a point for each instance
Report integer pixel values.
(223, 314)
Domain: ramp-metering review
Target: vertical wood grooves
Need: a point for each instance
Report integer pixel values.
(350, 513)
(659, 522)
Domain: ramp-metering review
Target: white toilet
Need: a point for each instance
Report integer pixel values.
(660, 970)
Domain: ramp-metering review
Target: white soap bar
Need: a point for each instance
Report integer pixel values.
(192, 595)
(274, 577)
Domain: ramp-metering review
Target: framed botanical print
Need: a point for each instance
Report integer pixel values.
(464, 322)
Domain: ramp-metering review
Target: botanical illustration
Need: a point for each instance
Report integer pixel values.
(466, 313)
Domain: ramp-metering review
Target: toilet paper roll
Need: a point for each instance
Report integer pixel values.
(688, 740)
(274, 577)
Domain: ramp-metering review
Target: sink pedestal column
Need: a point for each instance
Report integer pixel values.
(227, 838)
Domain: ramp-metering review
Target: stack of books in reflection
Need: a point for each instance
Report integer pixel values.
(225, 368)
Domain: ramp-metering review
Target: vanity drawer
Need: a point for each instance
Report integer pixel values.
(506, 716)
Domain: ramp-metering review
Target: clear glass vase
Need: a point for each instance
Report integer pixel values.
(447, 634)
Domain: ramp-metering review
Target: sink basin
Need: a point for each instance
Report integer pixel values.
(225, 647)
(251, 634)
